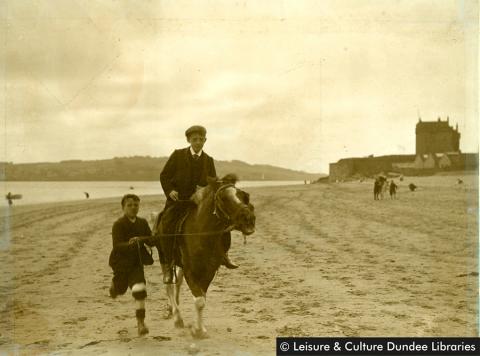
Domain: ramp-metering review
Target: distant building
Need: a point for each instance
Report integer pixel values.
(436, 137)
(366, 166)
(437, 149)
(429, 161)
(418, 162)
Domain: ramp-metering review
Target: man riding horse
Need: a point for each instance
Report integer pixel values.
(186, 170)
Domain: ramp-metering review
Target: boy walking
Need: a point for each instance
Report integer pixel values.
(129, 255)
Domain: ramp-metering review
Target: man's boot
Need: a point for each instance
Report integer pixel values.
(227, 241)
(142, 328)
(227, 262)
(112, 292)
(167, 270)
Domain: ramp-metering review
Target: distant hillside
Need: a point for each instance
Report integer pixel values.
(137, 168)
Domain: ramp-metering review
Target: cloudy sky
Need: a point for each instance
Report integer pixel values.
(291, 83)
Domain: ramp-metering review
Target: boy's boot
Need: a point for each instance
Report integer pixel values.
(142, 328)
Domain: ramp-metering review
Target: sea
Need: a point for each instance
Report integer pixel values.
(46, 192)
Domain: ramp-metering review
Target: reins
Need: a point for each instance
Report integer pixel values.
(227, 229)
(217, 207)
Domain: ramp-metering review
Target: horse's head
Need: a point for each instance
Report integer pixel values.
(233, 205)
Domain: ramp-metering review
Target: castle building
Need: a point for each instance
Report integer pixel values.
(437, 149)
(436, 137)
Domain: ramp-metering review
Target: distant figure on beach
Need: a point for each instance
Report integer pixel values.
(9, 198)
(459, 181)
(132, 188)
(186, 170)
(129, 233)
(393, 190)
(86, 195)
(376, 189)
(412, 187)
(384, 190)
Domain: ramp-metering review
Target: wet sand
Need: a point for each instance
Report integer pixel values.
(326, 260)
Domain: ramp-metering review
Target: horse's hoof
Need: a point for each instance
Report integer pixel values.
(179, 323)
(168, 314)
(198, 333)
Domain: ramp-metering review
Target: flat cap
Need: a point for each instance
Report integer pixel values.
(196, 129)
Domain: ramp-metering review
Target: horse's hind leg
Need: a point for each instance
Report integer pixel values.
(177, 317)
(173, 298)
(178, 285)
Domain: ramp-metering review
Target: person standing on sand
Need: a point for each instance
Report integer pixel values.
(393, 190)
(129, 255)
(186, 171)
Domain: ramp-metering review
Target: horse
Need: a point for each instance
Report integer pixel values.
(219, 207)
(379, 187)
(384, 189)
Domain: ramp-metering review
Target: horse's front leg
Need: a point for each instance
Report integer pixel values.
(199, 331)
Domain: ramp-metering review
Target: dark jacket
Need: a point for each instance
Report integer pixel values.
(124, 256)
(183, 174)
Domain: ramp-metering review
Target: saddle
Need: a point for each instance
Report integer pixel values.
(173, 218)
(172, 221)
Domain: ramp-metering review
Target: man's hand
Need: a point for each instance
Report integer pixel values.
(133, 240)
(174, 195)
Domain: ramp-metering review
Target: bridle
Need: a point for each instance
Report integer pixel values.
(219, 209)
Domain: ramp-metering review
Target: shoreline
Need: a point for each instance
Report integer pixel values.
(117, 191)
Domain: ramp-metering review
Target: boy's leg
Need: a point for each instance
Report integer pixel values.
(139, 292)
(119, 284)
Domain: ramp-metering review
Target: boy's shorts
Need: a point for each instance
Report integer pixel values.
(123, 280)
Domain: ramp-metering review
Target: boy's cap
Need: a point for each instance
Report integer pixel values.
(196, 129)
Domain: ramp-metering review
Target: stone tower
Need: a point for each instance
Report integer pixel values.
(436, 137)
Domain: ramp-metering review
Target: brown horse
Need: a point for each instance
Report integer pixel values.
(379, 187)
(219, 208)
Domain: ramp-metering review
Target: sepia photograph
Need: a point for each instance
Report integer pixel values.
(205, 177)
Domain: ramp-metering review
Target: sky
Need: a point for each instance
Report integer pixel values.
(297, 84)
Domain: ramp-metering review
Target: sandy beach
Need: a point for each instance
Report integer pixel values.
(326, 260)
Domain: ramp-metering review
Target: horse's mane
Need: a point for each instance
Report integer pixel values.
(230, 178)
(203, 193)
